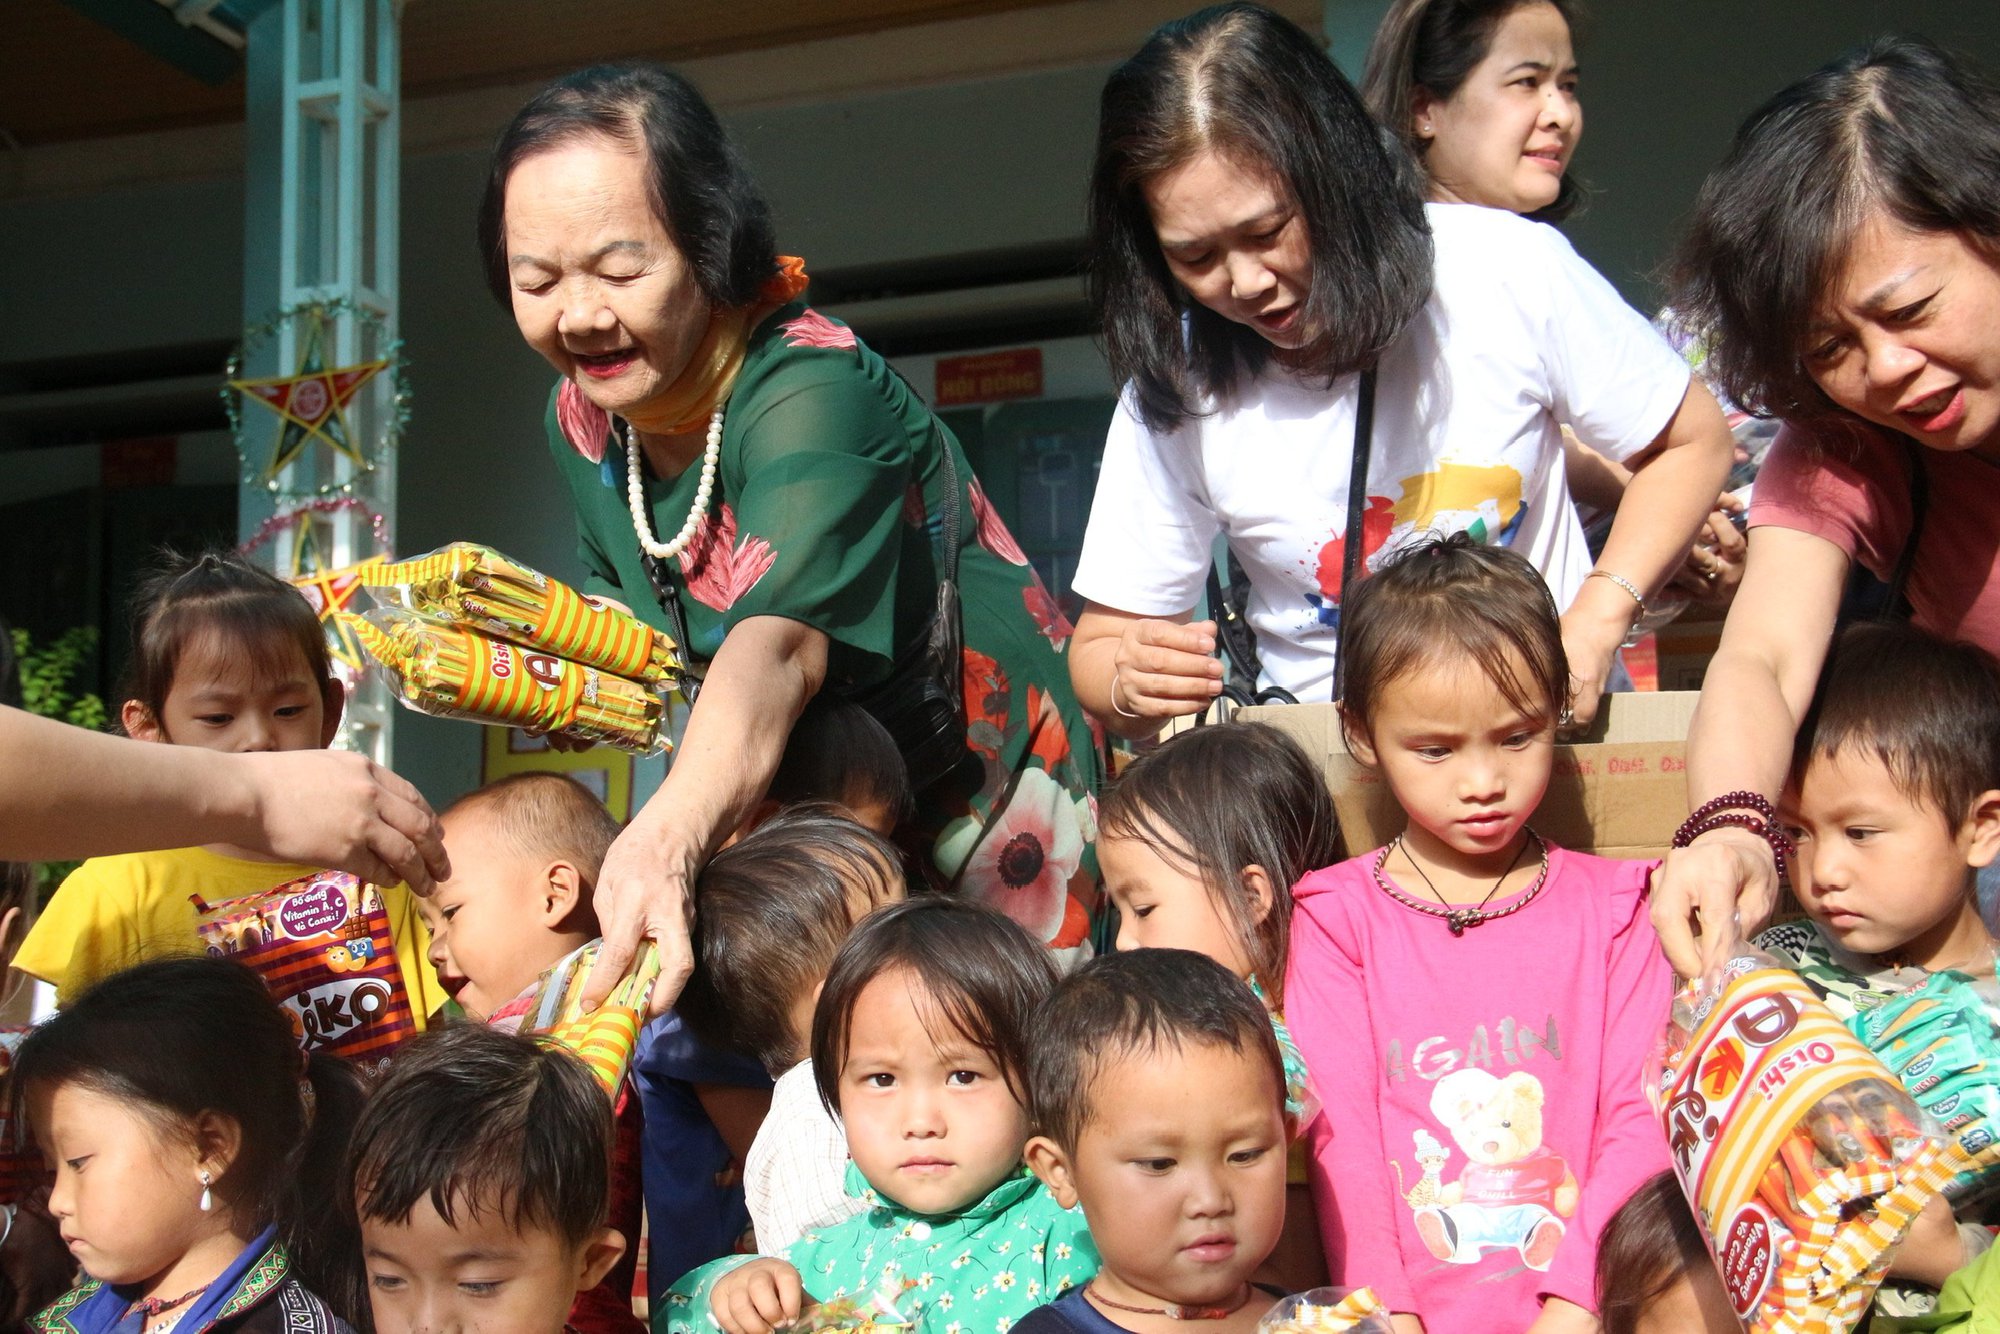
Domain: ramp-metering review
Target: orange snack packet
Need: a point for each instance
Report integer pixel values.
(1803, 1157)
(322, 946)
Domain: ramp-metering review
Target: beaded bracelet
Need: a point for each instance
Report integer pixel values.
(1744, 810)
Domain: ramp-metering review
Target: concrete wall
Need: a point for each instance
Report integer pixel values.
(865, 179)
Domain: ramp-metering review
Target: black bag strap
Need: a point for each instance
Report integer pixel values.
(948, 572)
(1357, 506)
(1235, 639)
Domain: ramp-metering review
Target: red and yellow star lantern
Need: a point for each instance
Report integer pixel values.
(311, 403)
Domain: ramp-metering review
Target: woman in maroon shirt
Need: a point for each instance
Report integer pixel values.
(1842, 267)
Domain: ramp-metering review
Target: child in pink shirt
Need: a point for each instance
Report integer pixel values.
(1476, 1004)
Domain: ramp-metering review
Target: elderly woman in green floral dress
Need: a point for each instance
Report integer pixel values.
(748, 476)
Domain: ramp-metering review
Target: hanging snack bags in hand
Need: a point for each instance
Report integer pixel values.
(477, 587)
(449, 671)
(322, 946)
(1803, 1157)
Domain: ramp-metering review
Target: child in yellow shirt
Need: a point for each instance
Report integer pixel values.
(227, 657)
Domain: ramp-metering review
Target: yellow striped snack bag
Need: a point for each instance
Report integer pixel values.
(1804, 1158)
(480, 589)
(604, 1039)
(449, 671)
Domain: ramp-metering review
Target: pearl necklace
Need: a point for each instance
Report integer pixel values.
(635, 491)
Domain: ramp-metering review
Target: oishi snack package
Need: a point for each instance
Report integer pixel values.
(322, 946)
(449, 671)
(1940, 1041)
(603, 1039)
(480, 589)
(1803, 1157)
(1327, 1311)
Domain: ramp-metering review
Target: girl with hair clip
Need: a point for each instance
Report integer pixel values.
(1841, 265)
(1477, 1005)
(226, 657)
(1272, 286)
(919, 1046)
(1200, 842)
(196, 1157)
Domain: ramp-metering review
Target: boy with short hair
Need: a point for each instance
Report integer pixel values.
(1157, 1092)
(775, 908)
(1894, 804)
(525, 854)
(479, 1172)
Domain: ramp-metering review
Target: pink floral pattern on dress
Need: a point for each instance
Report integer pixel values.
(1049, 618)
(718, 568)
(1026, 857)
(813, 329)
(993, 534)
(586, 426)
(913, 505)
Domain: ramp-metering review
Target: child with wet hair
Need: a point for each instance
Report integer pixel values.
(773, 911)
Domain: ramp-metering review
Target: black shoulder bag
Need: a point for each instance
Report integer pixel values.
(921, 703)
(1228, 602)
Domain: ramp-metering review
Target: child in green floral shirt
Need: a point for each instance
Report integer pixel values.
(919, 1044)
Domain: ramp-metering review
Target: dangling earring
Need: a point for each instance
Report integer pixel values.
(207, 1199)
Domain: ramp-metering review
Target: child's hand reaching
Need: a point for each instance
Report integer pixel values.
(758, 1298)
(1933, 1251)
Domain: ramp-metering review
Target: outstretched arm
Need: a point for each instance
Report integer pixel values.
(66, 792)
(761, 678)
(1755, 695)
(1673, 488)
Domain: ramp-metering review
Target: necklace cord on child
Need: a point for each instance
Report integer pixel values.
(152, 1307)
(1172, 1312)
(1458, 919)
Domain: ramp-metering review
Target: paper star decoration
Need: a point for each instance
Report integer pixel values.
(329, 591)
(312, 401)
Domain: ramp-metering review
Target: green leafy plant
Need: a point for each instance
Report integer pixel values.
(48, 674)
(48, 687)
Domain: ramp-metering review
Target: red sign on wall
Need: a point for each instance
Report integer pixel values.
(143, 461)
(989, 377)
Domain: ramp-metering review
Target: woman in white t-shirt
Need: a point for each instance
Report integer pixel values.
(1258, 241)
(1484, 95)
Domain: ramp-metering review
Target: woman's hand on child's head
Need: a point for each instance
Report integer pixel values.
(758, 1298)
(339, 810)
(1724, 884)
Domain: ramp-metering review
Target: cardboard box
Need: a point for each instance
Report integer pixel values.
(1619, 791)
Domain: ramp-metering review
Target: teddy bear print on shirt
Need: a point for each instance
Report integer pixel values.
(1514, 1192)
